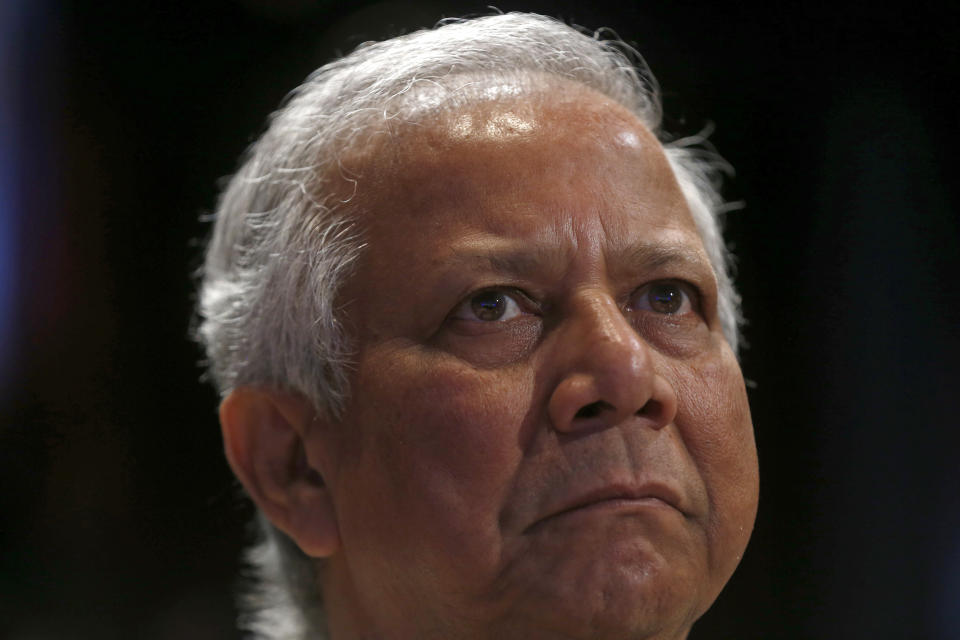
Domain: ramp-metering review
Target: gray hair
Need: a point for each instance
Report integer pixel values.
(283, 243)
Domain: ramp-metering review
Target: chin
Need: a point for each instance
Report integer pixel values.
(624, 593)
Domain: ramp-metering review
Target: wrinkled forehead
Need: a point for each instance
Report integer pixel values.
(577, 177)
(486, 126)
(433, 116)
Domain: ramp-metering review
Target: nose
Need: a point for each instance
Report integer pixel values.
(607, 372)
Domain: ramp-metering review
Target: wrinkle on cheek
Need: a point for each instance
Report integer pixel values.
(455, 419)
(715, 425)
(713, 398)
(461, 455)
(497, 349)
(714, 420)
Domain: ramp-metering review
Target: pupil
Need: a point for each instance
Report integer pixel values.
(488, 306)
(665, 299)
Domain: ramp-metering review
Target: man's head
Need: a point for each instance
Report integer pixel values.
(477, 343)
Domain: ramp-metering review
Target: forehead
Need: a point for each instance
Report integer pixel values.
(546, 165)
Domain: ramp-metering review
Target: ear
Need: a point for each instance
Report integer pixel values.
(264, 432)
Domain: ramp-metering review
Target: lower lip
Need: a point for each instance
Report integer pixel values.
(623, 503)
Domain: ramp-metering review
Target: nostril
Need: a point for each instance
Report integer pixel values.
(593, 409)
(652, 410)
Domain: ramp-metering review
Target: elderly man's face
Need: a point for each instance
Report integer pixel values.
(547, 434)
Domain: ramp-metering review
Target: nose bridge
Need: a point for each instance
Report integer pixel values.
(604, 329)
(606, 370)
(609, 351)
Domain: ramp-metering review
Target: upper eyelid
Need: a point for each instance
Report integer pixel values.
(519, 295)
(689, 288)
(686, 284)
(525, 302)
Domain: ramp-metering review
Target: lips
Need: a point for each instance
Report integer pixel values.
(653, 494)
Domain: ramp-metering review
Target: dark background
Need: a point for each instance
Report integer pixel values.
(118, 515)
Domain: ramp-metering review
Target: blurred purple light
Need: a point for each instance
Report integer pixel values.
(10, 18)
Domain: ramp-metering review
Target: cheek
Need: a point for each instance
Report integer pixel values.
(714, 420)
(438, 445)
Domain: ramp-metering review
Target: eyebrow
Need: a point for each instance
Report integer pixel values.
(655, 255)
(510, 257)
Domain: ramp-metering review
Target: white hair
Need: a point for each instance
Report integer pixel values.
(283, 243)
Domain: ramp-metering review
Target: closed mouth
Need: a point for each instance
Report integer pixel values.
(612, 498)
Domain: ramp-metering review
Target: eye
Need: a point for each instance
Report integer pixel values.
(665, 297)
(492, 305)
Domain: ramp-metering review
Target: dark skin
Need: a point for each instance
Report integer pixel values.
(547, 434)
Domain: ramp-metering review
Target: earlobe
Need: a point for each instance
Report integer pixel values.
(264, 436)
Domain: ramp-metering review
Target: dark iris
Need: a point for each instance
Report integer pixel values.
(489, 305)
(665, 298)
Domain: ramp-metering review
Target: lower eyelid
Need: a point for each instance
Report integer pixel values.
(524, 324)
